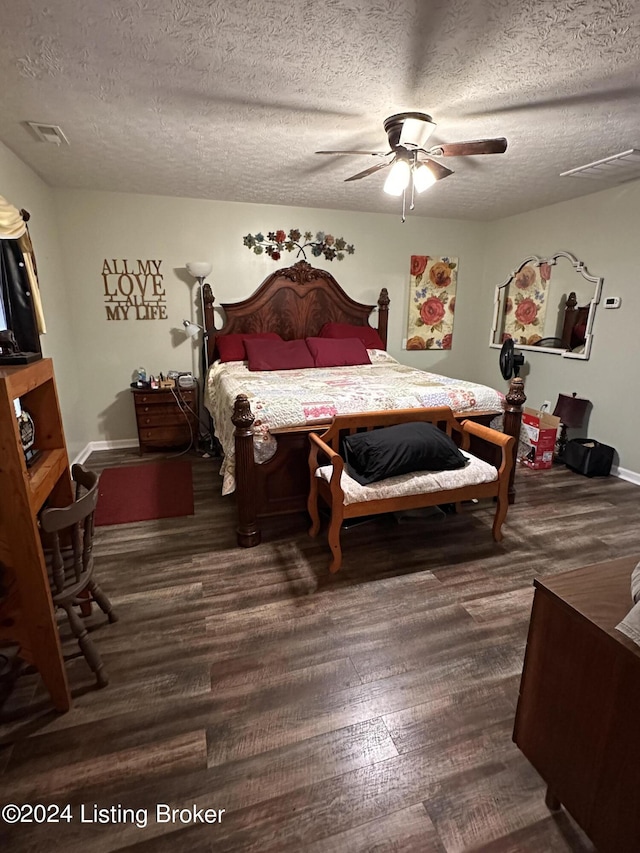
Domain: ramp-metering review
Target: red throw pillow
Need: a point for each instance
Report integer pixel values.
(328, 352)
(231, 347)
(277, 355)
(367, 334)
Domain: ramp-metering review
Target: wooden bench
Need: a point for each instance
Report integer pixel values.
(347, 499)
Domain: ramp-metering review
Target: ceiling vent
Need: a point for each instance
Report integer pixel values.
(620, 167)
(51, 133)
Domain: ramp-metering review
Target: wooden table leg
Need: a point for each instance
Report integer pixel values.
(551, 801)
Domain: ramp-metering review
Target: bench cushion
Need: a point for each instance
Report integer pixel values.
(416, 483)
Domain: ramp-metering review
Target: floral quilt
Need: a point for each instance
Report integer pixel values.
(287, 398)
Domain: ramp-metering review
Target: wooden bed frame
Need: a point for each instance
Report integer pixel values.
(296, 302)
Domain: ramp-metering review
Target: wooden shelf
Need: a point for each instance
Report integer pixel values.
(27, 616)
(45, 473)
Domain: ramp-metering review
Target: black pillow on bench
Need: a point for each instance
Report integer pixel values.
(399, 449)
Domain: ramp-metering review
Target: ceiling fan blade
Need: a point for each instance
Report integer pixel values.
(373, 153)
(427, 23)
(370, 171)
(205, 99)
(439, 171)
(460, 149)
(597, 97)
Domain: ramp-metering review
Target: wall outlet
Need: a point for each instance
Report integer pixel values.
(546, 406)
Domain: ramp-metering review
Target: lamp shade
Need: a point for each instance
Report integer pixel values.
(191, 329)
(571, 410)
(423, 178)
(398, 178)
(198, 269)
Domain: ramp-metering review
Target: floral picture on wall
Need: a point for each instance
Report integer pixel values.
(526, 304)
(432, 302)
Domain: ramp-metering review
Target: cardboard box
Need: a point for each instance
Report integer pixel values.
(541, 429)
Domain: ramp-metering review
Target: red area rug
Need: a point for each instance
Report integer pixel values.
(144, 492)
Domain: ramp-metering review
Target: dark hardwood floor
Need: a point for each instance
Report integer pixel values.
(367, 711)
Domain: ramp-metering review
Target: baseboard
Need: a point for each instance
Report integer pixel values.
(119, 444)
(122, 443)
(626, 474)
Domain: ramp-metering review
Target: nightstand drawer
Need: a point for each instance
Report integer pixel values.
(164, 398)
(165, 436)
(170, 417)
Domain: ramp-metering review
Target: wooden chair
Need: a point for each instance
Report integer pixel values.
(345, 498)
(69, 553)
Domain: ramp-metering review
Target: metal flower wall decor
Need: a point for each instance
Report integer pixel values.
(277, 242)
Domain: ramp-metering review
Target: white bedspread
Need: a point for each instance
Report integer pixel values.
(288, 398)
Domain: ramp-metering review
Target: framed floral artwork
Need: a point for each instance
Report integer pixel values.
(526, 304)
(432, 302)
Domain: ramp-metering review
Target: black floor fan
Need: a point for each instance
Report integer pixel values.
(510, 361)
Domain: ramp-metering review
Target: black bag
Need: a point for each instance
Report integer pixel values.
(587, 456)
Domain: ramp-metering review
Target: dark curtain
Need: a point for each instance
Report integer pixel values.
(15, 291)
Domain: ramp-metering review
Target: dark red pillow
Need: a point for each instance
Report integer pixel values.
(277, 355)
(333, 352)
(367, 334)
(231, 347)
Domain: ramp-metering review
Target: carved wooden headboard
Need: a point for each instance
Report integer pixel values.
(575, 320)
(295, 302)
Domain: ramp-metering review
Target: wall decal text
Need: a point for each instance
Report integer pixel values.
(133, 290)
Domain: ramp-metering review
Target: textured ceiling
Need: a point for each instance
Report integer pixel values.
(229, 100)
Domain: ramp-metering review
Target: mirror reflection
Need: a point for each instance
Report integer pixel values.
(547, 304)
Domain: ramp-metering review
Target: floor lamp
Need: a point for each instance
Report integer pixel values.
(200, 270)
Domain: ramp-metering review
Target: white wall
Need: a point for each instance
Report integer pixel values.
(99, 225)
(601, 230)
(75, 231)
(24, 189)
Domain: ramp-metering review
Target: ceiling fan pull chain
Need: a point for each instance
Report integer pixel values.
(413, 186)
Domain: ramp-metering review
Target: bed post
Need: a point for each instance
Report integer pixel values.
(209, 320)
(383, 314)
(248, 531)
(570, 318)
(513, 404)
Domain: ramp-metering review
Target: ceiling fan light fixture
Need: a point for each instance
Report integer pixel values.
(398, 178)
(407, 134)
(423, 178)
(416, 131)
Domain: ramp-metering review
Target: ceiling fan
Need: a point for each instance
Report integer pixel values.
(412, 165)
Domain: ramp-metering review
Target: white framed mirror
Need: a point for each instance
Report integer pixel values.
(547, 305)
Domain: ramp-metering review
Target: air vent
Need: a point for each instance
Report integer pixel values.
(620, 167)
(50, 133)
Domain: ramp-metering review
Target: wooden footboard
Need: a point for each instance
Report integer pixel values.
(281, 485)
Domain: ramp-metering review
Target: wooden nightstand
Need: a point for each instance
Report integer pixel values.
(166, 418)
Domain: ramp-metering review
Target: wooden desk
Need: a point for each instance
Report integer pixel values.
(26, 612)
(578, 715)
